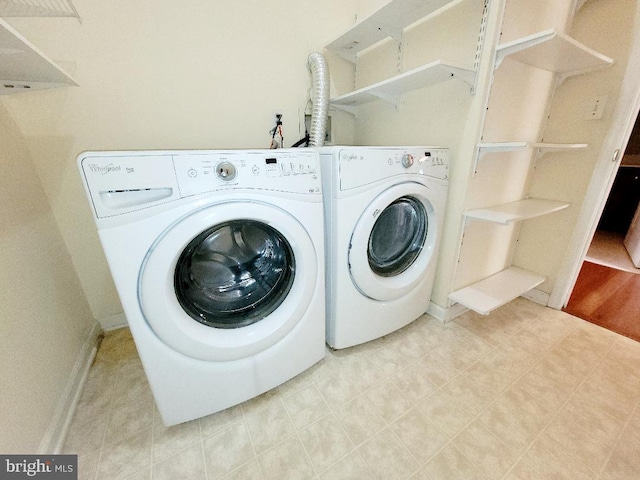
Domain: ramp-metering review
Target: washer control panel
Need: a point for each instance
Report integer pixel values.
(360, 166)
(286, 170)
(121, 182)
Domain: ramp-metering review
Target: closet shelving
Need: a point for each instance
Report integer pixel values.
(497, 290)
(391, 89)
(37, 8)
(559, 53)
(542, 148)
(390, 21)
(555, 52)
(516, 211)
(23, 67)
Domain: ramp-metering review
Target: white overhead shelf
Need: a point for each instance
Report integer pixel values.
(391, 88)
(23, 67)
(484, 148)
(555, 52)
(544, 148)
(497, 290)
(516, 211)
(37, 8)
(499, 147)
(388, 21)
(504, 147)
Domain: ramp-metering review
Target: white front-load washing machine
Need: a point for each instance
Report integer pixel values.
(218, 259)
(384, 211)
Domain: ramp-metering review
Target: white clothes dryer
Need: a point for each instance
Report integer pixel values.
(384, 211)
(218, 259)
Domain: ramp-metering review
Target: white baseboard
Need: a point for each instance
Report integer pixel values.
(113, 322)
(54, 438)
(446, 314)
(537, 296)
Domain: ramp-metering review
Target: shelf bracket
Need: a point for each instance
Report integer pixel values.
(346, 108)
(392, 99)
(485, 148)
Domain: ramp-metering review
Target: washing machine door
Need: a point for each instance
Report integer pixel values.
(393, 242)
(228, 280)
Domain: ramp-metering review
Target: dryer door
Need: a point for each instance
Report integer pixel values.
(393, 242)
(228, 280)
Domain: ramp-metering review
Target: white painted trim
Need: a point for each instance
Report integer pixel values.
(537, 296)
(445, 315)
(54, 437)
(113, 322)
(623, 120)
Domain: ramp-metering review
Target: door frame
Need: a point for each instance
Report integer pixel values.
(623, 119)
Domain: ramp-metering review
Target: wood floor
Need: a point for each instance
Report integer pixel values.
(607, 297)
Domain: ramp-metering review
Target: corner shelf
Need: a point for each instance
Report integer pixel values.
(555, 52)
(497, 290)
(388, 21)
(391, 88)
(23, 67)
(516, 211)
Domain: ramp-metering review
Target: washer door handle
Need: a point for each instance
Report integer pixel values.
(116, 199)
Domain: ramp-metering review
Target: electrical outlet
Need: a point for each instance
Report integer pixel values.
(596, 107)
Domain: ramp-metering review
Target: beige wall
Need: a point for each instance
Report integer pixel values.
(160, 75)
(44, 317)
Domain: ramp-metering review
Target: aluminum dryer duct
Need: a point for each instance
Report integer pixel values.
(319, 98)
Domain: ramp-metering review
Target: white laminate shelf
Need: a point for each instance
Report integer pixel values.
(555, 52)
(388, 21)
(23, 67)
(497, 290)
(37, 8)
(504, 147)
(391, 88)
(516, 211)
(544, 148)
(499, 147)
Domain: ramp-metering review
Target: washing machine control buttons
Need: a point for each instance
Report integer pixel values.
(407, 160)
(226, 171)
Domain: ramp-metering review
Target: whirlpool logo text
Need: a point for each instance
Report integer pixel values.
(104, 169)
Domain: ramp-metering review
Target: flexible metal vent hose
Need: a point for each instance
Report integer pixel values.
(319, 98)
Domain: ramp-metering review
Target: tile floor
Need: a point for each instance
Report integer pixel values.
(526, 393)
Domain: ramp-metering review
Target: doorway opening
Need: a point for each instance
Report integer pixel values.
(607, 291)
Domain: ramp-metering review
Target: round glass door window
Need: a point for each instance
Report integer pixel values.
(234, 274)
(397, 237)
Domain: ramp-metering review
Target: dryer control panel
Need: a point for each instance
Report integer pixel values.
(360, 166)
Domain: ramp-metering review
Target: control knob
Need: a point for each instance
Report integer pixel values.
(407, 160)
(226, 171)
